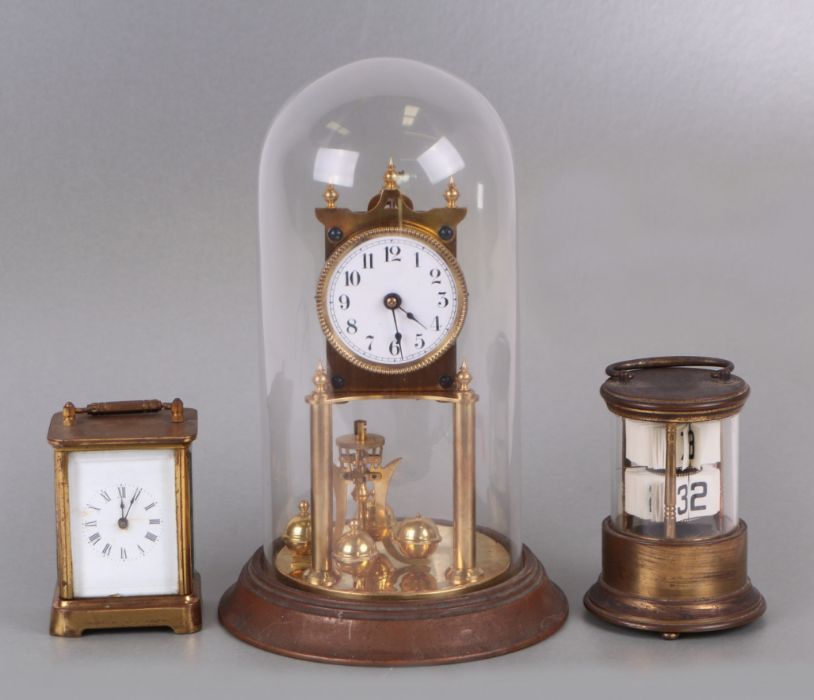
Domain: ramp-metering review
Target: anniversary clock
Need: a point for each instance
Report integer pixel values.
(388, 277)
(674, 548)
(124, 525)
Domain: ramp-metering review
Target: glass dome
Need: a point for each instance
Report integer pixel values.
(401, 177)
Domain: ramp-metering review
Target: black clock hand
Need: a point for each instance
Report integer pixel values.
(136, 494)
(122, 523)
(412, 317)
(398, 335)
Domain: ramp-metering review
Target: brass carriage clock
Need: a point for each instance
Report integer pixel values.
(674, 548)
(393, 513)
(124, 524)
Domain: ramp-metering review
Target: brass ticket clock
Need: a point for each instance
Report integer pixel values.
(392, 499)
(674, 548)
(124, 526)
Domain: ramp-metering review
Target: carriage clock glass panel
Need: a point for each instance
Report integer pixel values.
(123, 531)
(387, 225)
(674, 547)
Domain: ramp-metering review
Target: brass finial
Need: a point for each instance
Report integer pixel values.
(177, 411)
(320, 380)
(360, 430)
(451, 194)
(330, 196)
(391, 176)
(68, 414)
(464, 377)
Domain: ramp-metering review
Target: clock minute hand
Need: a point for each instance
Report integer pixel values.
(136, 494)
(398, 334)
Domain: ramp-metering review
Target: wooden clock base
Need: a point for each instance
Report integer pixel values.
(181, 613)
(674, 586)
(266, 611)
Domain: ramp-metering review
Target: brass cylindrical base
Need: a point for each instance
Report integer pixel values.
(674, 586)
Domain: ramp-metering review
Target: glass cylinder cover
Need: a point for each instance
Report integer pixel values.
(371, 128)
(676, 480)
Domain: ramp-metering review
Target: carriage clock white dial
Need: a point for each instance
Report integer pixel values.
(391, 300)
(122, 523)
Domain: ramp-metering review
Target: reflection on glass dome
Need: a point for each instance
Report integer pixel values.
(335, 166)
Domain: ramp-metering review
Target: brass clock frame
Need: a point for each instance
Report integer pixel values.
(405, 230)
(392, 209)
(125, 425)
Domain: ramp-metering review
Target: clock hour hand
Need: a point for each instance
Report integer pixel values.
(412, 317)
(393, 301)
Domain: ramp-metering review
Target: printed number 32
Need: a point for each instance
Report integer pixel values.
(698, 491)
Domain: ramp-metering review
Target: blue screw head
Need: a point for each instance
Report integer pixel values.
(445, 233)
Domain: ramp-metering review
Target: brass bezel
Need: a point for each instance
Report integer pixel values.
(411, 230)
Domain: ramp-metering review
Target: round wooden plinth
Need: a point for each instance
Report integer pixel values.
(674, 586)
(266, 611)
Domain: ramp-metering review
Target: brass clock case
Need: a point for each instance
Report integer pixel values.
(112, 426)
(675, 581)
(335, 259)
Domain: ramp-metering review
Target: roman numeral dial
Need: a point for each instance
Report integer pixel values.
(122, 523)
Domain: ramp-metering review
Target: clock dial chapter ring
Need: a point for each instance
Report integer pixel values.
(112, 529)
(409, 299)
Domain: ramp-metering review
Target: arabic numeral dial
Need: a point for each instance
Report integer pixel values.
(393, 300)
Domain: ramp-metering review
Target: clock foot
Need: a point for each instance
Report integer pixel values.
(181, 613)
(265, 609)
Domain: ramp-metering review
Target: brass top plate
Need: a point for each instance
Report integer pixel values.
(124, 429)
(674, 389)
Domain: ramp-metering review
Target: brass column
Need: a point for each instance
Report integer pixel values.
(321, 572)
(670, 484)
(464, 565)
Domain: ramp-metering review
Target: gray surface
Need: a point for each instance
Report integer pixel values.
(665, 162)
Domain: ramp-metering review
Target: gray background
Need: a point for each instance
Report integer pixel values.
(665, 163)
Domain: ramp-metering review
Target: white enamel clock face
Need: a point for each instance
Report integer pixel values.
(123, 527)
(392, 302)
